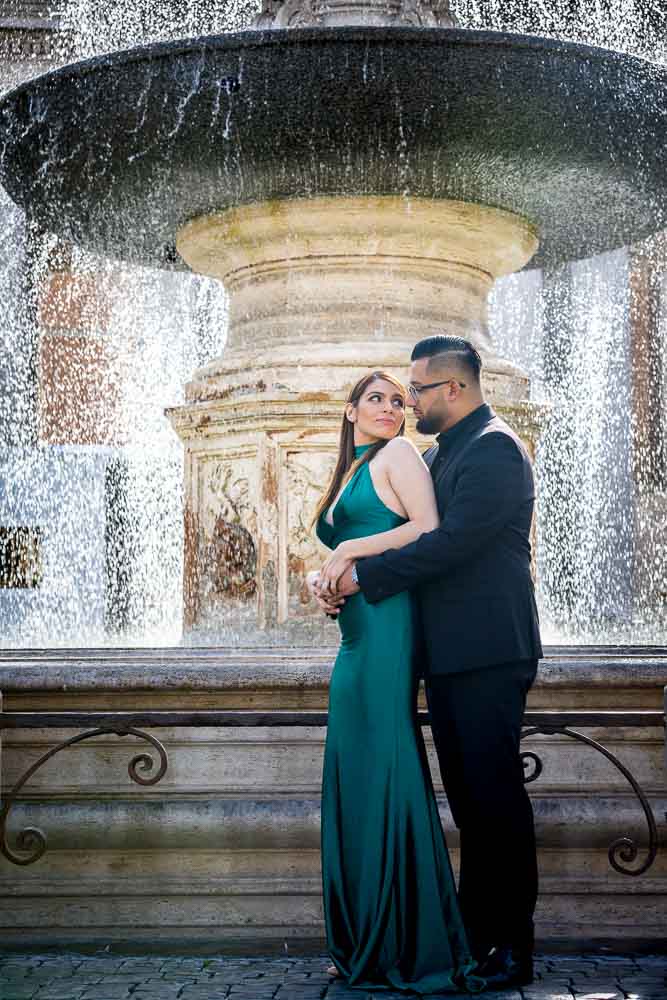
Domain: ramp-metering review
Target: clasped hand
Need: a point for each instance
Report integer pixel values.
(324, 584)
(334, 567)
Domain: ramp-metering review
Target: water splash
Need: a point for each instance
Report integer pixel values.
(110, 511)
(104, 492)
(602, 558)
(634, 26)
(106, 27)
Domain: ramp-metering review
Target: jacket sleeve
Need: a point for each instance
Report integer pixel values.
(488, 493)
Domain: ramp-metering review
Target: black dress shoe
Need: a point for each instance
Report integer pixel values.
(507, 967)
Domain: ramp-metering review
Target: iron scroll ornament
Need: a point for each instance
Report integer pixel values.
(31, 841)
(623, 849)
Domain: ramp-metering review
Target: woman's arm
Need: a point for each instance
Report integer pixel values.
(411, 482)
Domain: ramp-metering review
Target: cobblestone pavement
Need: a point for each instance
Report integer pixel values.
(103, 976)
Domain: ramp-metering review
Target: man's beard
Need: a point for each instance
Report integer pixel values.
(429, 425)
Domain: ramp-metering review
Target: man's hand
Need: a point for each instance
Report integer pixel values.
(346, 586)
(334, 567)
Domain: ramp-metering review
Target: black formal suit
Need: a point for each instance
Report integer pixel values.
(472, 577)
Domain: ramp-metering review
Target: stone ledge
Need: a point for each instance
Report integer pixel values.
(145, 886)
(256, 669)
(267, 917)
(562, 821)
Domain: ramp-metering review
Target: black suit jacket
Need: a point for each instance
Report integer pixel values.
(473, 573)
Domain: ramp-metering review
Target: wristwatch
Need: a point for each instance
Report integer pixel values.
(355, 578)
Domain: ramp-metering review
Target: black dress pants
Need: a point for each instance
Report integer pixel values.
(476, 725)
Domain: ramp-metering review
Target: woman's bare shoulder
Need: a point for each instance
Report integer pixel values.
(400, 451)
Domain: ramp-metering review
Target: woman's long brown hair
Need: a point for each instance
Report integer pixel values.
(346, 464)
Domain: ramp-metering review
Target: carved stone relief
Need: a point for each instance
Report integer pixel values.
(308, 474)
(227, 537)
(304, 13)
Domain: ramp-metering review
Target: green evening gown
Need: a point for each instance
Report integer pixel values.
(391, 912)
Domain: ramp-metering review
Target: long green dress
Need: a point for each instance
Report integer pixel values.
(390, 905)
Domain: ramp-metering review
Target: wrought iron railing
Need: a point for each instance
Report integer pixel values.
(31, 843)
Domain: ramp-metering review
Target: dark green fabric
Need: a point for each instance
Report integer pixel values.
(391, 912)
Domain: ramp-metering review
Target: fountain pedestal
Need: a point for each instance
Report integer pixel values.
(320, 291)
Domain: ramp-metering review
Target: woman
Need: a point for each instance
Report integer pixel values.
(390, 906)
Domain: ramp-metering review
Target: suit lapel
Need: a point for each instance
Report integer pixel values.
(440, 469)
(430, 455)
(440, 472)
(452, 461)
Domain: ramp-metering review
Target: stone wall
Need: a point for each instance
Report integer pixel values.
(224, 851)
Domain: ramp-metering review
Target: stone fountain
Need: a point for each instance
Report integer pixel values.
(357, 174)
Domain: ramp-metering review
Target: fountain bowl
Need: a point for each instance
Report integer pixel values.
(117, 153)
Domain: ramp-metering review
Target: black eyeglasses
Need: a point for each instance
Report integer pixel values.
(416, 390)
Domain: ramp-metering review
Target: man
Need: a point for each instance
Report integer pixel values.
(482, 643)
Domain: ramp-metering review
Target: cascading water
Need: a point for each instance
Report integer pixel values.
(109, 512)
(104, 27)
(636, 26)
(601, 554)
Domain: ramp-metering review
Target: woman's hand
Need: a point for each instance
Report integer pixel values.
(323, 601)
(340, 560)
(312, 582)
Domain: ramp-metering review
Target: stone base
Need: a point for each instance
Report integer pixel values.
(225, 850)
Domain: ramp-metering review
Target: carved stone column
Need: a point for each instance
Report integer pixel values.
(80, 370)
(647, 398)
(320, 292)
(335, 13)
(81, 406)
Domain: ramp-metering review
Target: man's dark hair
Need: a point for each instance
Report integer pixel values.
(461, 350)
